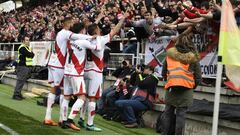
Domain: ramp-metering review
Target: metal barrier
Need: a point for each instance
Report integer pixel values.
(8, 50)
(9, 46)
(117, 58)
(8, 55)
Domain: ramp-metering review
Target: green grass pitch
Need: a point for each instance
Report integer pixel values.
(25, 117)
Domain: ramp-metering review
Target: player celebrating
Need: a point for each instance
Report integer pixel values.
(56, 66)
(73, 75)
(93, 72)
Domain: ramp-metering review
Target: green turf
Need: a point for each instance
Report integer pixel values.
(24, 124)
(2, 132)
(36, 113)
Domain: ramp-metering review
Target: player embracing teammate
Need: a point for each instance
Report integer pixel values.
(68, 61)
(56, 66)
(93, 72)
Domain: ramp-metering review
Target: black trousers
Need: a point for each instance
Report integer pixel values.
(23, 73)
(173, 120)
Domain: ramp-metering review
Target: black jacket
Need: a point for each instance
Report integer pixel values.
(165, 12)
(23, 54)
(149, 84)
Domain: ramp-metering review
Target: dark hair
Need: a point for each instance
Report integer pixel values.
(184, 44)
(92, 28)
(77, 27)
(66, 20)
(205, 4)
(148, 12)
(25, 36)
(149, 67)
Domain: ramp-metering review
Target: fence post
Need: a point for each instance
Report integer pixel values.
(138, 51)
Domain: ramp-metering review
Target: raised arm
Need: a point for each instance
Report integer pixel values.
(195, 20)
(100, 16)
(116, 29)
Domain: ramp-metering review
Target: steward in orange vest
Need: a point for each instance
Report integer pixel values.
(182, 73)
(181, 69)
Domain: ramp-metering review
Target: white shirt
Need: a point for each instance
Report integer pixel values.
(58, 56)
(76, 56)
(97, 64)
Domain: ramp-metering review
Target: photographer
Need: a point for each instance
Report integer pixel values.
(142, 99)
(123, 91)
(119, 73)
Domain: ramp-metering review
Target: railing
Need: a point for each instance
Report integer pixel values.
(117, 58)
(8, 50)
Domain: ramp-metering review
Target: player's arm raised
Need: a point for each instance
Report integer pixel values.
(116, 29)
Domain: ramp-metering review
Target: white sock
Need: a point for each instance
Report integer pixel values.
(91, 112)
(50, 102)
(64, 109)
(60, 104)
(83, 110)
(76, 108)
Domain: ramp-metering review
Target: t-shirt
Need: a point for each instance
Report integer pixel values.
(76, 56)
(96, 63)
(58, 55)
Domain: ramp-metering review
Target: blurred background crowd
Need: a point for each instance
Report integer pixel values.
(43, 20)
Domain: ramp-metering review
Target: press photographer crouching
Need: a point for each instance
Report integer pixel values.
(142, 99)
(120, 73)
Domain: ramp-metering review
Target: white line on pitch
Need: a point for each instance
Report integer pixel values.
(9, 130)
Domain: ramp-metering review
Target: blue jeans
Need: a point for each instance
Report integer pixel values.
(130, 48)
(129, 107)
(104, 96)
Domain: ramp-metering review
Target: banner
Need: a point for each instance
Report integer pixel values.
(206, 43)
(41, 51)
(155, 52)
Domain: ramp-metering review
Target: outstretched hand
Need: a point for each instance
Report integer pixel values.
(126, 14)
(102, 13)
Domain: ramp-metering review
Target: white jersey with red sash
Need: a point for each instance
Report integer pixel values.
(96, 58)
(58, 55)
(74, 66)
(93, 69)
(76, 56)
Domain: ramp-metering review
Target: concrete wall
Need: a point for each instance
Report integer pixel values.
(195, 124)
(31, 83)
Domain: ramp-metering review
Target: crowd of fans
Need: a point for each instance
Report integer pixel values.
(43, 22)
(148, 19)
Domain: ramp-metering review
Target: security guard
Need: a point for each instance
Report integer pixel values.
(25, 56)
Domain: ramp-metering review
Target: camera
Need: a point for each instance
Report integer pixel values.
(130, 34)
(125, 63)
(141, 67)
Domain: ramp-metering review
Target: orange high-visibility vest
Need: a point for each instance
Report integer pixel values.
(178, 74)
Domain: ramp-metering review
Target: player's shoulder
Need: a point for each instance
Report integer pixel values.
(64, 31)
(104, 37)
(80, 41)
